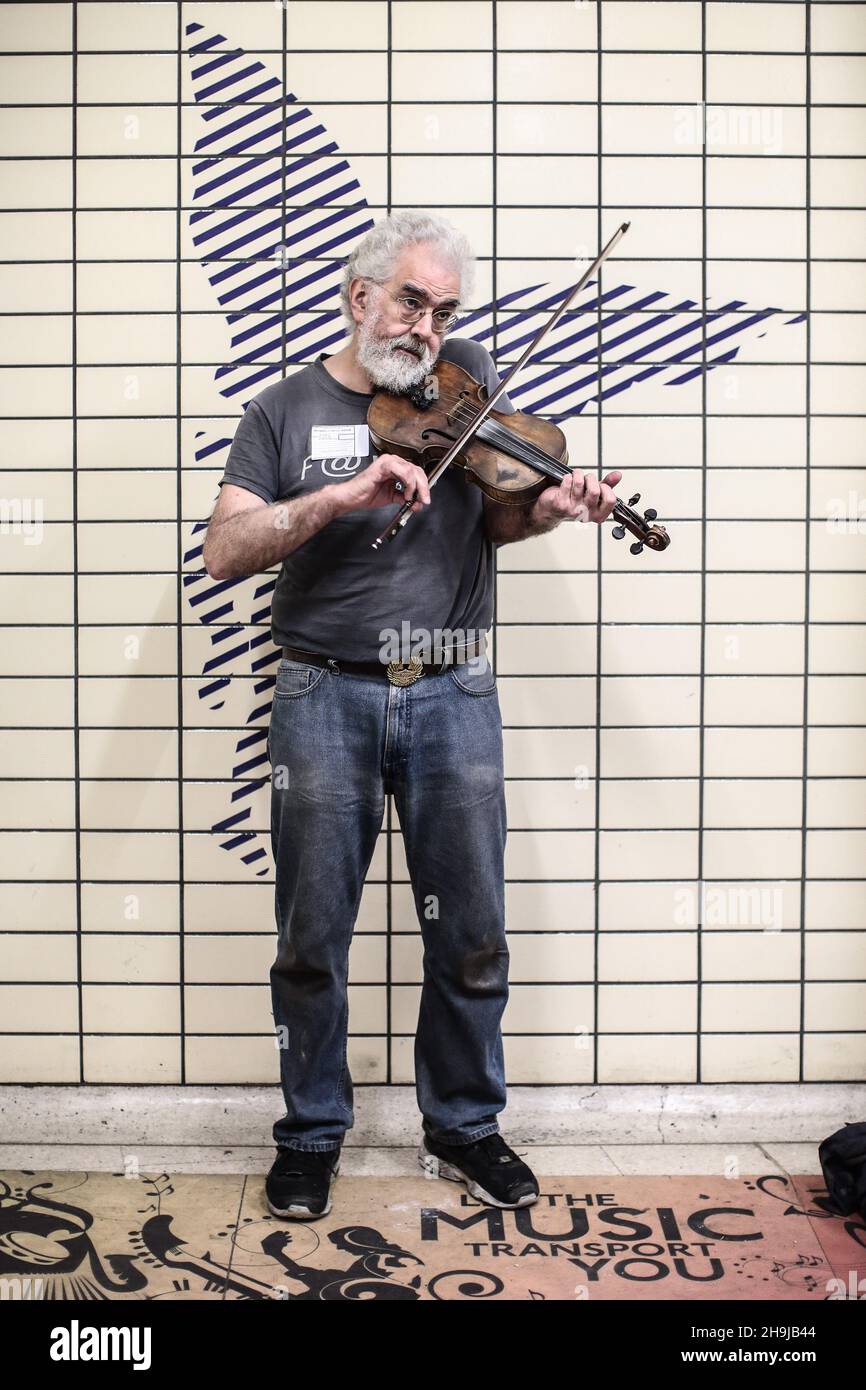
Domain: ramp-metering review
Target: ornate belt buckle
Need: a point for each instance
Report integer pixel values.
(405, 672)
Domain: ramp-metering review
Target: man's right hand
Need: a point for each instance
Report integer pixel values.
(375, 486)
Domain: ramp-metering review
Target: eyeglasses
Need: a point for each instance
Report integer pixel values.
(413, 309)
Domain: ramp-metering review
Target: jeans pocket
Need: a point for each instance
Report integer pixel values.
(296, 678)
(475, 676)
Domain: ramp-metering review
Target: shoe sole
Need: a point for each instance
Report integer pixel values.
(300, 1213)
(441, 1168)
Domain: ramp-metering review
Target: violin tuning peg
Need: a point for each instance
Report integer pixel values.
(632, 500)
(636, 548)
(618, 532)
(650, 514)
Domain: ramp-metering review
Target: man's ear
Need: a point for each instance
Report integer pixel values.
(359, 298)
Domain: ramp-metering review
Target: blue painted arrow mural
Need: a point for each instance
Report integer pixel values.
(262, 256)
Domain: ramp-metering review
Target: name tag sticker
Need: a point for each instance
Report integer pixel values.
(339, 441)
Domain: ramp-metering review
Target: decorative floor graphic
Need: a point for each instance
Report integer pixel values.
(92, 1236)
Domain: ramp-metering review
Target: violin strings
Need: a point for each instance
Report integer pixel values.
(523, 449)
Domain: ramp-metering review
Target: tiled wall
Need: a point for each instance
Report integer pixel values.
(685, 732)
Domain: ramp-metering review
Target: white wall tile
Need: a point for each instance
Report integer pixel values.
(681, 679)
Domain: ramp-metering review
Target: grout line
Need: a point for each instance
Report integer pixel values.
(599, 597)
(703, 524)
(807, 584)
(389, 796)
(76, 622)
(179, 580)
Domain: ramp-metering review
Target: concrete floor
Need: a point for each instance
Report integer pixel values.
(628, 1130)
(371, 1161)
(193, 1222)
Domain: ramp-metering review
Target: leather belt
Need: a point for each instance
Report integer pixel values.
(397, 672)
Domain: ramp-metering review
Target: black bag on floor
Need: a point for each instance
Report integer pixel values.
(843, 1163)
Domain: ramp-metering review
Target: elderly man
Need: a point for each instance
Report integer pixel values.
(302, 489)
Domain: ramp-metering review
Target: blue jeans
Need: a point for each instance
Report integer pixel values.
(337, 743)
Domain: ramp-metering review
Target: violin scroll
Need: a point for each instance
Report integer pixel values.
(649, 535)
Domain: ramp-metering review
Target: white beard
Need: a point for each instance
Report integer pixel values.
(385, 365)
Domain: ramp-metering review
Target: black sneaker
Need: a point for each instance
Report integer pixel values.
(298, 1187)
(490, 1170)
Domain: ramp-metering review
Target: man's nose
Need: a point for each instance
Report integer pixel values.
(423, 327)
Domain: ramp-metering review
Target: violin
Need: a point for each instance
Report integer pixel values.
(512, 457)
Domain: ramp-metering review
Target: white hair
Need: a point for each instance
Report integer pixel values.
(376, 254)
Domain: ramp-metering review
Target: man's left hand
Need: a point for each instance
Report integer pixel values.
(580, 496)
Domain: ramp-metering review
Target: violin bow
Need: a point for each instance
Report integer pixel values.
(394, 527)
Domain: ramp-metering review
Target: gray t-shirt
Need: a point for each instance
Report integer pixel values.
(335, 594)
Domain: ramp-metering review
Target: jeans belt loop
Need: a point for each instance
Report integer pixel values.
(451, 657)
